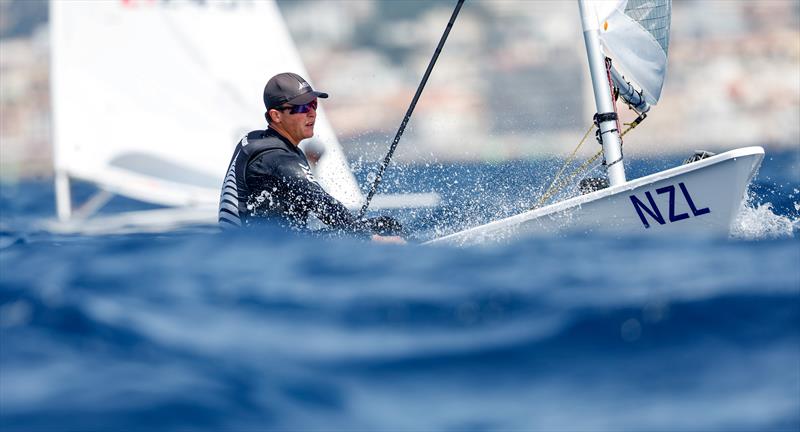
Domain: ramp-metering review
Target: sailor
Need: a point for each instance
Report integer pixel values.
(269, 178)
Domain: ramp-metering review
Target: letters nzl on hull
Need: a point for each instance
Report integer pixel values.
(655, 213)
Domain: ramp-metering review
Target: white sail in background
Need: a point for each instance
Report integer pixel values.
(150, 97)
(636, 34)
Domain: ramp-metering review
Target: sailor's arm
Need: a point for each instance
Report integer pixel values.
(333, 213)
(303, 190)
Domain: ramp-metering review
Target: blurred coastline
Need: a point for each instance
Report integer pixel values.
(511, 82)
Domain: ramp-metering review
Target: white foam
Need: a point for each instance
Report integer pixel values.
(758, 221)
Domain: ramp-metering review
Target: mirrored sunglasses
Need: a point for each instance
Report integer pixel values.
(299, 109)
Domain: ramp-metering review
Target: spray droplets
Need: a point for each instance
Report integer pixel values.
(757, 221)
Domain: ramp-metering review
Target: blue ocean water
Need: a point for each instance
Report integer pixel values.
(265, 330)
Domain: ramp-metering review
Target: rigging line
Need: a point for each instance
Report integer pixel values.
(569, 178)
(403, 124)
(552, 190)
(615, 94)
(563, 167)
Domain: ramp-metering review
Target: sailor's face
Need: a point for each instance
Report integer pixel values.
(298, 121)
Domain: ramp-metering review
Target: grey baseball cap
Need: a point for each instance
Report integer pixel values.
(289, 88)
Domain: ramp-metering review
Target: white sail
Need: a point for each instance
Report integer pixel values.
(150, 97)
(636, 34)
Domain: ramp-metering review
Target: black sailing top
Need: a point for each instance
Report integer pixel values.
(269, 179)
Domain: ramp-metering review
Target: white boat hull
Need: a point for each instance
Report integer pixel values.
(700, 197)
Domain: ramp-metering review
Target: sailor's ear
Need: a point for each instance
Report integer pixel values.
(271, 118)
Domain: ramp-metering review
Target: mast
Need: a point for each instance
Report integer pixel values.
(63, 198)
(612, 148)
(61, 177)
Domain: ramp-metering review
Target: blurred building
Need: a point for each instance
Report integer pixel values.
(25, 106)
(512, 79)
(510, 83)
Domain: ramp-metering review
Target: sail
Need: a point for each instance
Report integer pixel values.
(636, 34)
(150, 97)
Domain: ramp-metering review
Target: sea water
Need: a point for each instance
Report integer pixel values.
(266, 330)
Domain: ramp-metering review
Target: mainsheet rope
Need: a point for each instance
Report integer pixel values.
(403, 124)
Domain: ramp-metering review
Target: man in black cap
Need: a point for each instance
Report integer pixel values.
(269, 177)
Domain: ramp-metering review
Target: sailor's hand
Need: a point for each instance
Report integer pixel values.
(385, 226)
(388, 239)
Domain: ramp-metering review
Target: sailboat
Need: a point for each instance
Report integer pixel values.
(150, 97)
(626, 46)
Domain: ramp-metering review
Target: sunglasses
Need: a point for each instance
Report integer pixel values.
(299, 109)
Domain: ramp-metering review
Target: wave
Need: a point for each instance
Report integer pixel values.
(757, 219)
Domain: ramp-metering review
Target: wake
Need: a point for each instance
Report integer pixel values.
(759, 221)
